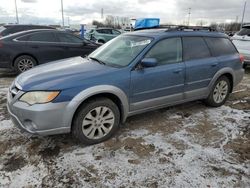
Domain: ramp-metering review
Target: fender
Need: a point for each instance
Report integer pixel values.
(218, 74)
(85, 94)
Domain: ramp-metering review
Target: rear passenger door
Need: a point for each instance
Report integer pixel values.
(43, 46)
(200, 67)
(163, 84)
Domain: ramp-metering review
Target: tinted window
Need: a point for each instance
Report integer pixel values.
(68, 38)
(24, 38)
(104, 31)
(195, 48)
(167, 51)
(42, 37)
(220, 46)
(244, 31)
(115, 32)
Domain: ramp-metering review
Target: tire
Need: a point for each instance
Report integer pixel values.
(88, 128)
(244, 65)
(24, 63)
(220, 92)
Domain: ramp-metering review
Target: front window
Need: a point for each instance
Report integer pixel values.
(121, 51)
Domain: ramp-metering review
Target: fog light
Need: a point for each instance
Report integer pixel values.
(29, 125)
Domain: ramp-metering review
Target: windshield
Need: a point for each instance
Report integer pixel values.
(121, 51)
(244, 31)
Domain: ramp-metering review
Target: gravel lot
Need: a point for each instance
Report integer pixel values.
(189, 145)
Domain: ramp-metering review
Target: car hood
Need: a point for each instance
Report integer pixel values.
(62, 74)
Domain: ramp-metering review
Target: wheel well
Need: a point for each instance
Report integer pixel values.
(110, 96)
(22, 55)
(101, 40)
(230, 77)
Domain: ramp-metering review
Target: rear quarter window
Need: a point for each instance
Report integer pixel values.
(220, 46)
(195, 48)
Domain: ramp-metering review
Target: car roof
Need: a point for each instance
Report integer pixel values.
(27, 32)
(20, 25)
(156, 33)
(246, 26)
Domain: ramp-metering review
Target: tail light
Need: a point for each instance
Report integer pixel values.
(242, 58)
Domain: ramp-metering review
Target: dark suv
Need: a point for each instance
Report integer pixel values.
(10, 29)
(134, 73)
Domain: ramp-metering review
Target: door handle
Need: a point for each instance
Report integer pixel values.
(177, 71)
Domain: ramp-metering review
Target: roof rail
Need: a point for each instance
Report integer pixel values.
(183, 28)
(188, 28)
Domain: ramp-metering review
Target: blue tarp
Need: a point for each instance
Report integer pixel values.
(147, 23)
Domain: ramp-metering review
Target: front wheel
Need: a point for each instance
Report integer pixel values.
(96, 121)
(219, 93)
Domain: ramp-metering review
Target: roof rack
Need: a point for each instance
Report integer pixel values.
(182, 28)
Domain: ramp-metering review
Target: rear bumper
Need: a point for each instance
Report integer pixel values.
(238, 76)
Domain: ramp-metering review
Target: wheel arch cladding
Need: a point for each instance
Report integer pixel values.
(113, 93)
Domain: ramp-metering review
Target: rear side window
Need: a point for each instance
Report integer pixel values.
(42, 37)
(220, 46)
(167, 51)
(195, 48)
(2, 28)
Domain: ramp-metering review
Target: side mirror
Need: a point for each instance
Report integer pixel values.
(149, 62)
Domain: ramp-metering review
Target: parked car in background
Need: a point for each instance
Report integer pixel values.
(242, 42)
(24, 50)
(10, 29)
(102, 35)
(134, 73)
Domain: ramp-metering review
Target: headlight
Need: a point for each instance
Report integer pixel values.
(39, 97)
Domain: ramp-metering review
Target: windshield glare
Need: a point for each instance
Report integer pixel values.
(122, 50)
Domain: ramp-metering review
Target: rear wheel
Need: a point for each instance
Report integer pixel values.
(219, 93)
(24, 63)
(96, 121)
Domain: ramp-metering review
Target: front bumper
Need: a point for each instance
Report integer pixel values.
(41, 119)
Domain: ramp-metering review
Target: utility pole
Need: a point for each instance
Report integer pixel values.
(102, 13)
(243, 14)
(17, 19)
(189, 13)
(62, 13)
(68, 21)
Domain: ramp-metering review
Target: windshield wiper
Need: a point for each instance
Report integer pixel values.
(98, 60)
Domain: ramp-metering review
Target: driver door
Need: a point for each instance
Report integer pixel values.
(162, 84)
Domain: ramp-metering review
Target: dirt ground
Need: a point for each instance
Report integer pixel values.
(188, 145)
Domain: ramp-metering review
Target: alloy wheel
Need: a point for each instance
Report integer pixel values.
(98, 122)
